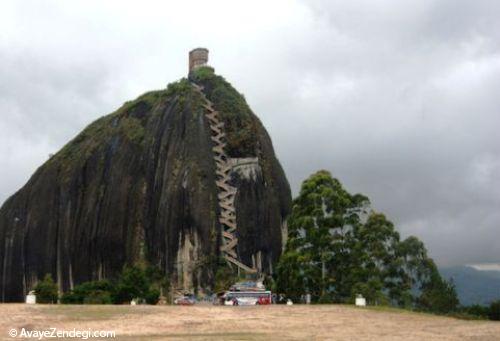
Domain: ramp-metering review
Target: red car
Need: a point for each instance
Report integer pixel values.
(264, 300)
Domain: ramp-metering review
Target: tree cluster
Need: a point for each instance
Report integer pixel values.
(339, 248)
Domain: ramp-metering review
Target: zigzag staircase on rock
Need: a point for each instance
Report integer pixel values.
(226, 192)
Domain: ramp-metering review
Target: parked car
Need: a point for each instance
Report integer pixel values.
(231, 301)
(263, 300)
(185, 300)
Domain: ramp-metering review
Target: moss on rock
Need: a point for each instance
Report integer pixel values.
(240, 126)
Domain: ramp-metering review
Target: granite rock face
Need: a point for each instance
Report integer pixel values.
(138, 185)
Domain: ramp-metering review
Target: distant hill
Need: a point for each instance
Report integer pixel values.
(474, 286)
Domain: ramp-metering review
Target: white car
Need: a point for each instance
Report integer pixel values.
(247, 300)
(231, 301)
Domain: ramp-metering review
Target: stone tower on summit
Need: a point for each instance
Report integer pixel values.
(198, 57)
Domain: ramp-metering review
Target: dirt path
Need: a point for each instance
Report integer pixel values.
(325, 322)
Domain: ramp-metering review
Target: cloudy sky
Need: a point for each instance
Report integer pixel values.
(398, 99)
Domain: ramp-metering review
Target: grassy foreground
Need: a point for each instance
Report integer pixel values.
(298, 322)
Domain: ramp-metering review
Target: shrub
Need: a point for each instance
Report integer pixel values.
(70, 298)
(476, 310)
(133, 130)
(152, 296)
(133, 283)
(494, 313)
(97, 292)
(98, 297)
(46, 291)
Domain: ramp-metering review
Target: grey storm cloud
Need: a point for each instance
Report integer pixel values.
(397, 98)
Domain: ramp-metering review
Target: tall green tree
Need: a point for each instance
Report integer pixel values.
(416, 269)
(291, 278)
(438, 295)
(323, 216)
(376, 267)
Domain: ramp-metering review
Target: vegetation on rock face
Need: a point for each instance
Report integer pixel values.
(126, 123)
(235, 112)
(46, 290)
(338, 249)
